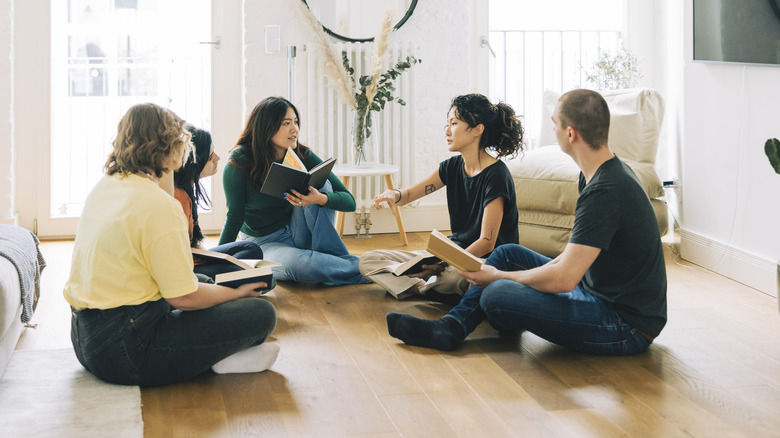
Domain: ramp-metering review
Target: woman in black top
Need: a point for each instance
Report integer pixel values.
(480, 196)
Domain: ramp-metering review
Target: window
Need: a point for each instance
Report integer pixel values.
(547, 45)
(108, 55)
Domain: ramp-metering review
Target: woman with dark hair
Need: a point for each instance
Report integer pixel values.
(139, 316)
(480, 197)
(189, 191)
(298, 231)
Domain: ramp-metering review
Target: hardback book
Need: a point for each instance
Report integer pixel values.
(237, 278)
(253, 270)
(412, 266)
(281, 178)
(447, 250)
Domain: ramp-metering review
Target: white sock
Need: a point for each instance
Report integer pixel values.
(252, 360)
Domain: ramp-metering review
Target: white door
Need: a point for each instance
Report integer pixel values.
(107, 55)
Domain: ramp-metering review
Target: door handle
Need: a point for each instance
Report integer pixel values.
(216, 43)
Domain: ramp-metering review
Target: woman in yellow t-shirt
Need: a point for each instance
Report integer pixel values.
(140, 317)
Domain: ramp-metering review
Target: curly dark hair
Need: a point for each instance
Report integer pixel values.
(503, 131)
(263, 123)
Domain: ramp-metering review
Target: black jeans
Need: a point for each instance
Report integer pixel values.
(154, 344)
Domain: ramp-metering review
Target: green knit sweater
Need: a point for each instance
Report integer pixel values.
(258, 214)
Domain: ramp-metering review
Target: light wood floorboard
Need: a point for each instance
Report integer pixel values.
(713, 372)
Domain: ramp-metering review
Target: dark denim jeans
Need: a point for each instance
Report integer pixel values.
(154, 344)
(576, 320)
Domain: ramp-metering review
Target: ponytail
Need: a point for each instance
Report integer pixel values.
(503, 131)
(508, 132)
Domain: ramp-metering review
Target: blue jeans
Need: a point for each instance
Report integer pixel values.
(577, 320)
(154, 344)
(310, 249)
(239, 249)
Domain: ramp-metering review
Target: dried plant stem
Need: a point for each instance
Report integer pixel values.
(332, 66)
(380, 49)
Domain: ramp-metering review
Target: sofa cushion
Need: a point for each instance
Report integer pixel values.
(548, 233)
(546, 180)
(635, 123)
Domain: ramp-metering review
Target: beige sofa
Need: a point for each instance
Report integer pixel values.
(546, 178)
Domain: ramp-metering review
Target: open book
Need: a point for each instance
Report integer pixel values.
(253, 270)
(447, 250)
(412, 266)
(283, 177)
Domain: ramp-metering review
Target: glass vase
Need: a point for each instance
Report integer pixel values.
(364, 145)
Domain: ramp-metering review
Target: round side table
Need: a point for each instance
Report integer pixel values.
(347, 171)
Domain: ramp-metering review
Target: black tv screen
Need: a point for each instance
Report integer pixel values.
(740, 31)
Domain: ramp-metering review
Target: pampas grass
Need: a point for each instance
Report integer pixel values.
(333, 68)
(380, 49)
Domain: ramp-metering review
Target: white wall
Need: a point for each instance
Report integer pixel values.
(7, 159)
(730, 193)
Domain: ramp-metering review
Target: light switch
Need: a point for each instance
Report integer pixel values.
(273, 38)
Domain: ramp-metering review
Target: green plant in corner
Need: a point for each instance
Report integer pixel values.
(614, 71)
(772, 150)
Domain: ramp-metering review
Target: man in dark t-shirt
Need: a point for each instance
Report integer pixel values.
(605, 294)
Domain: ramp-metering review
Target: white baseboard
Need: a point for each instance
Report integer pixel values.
(416, 219)
(757, 272)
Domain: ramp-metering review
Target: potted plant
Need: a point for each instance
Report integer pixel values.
(372, 92)
(772, 150)
(614, 71)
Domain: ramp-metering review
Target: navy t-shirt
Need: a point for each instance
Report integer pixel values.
(614, 214)
(467, 197)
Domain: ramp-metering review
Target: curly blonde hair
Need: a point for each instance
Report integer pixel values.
(149, 139)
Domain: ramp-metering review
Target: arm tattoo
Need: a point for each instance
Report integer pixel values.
(430, 188)
(490, 237)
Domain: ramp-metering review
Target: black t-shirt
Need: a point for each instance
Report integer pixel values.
(467, 197)
(614, 214)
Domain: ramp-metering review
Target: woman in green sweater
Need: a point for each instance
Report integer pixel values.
(297, 231)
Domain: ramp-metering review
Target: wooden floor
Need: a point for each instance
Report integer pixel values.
(713, 372)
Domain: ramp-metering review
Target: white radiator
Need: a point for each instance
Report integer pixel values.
(329, 121)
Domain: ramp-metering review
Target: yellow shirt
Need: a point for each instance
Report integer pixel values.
(131, 246)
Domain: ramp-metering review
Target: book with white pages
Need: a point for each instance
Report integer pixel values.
(252, 270)
(213, 256)
(411, 266)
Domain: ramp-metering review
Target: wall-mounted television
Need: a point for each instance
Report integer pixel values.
(739, 31)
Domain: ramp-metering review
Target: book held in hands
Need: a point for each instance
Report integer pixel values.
(292, 174)
(254, 275)
(447, 250)
(252, 270)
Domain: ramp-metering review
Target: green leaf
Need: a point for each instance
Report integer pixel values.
(772, 150)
